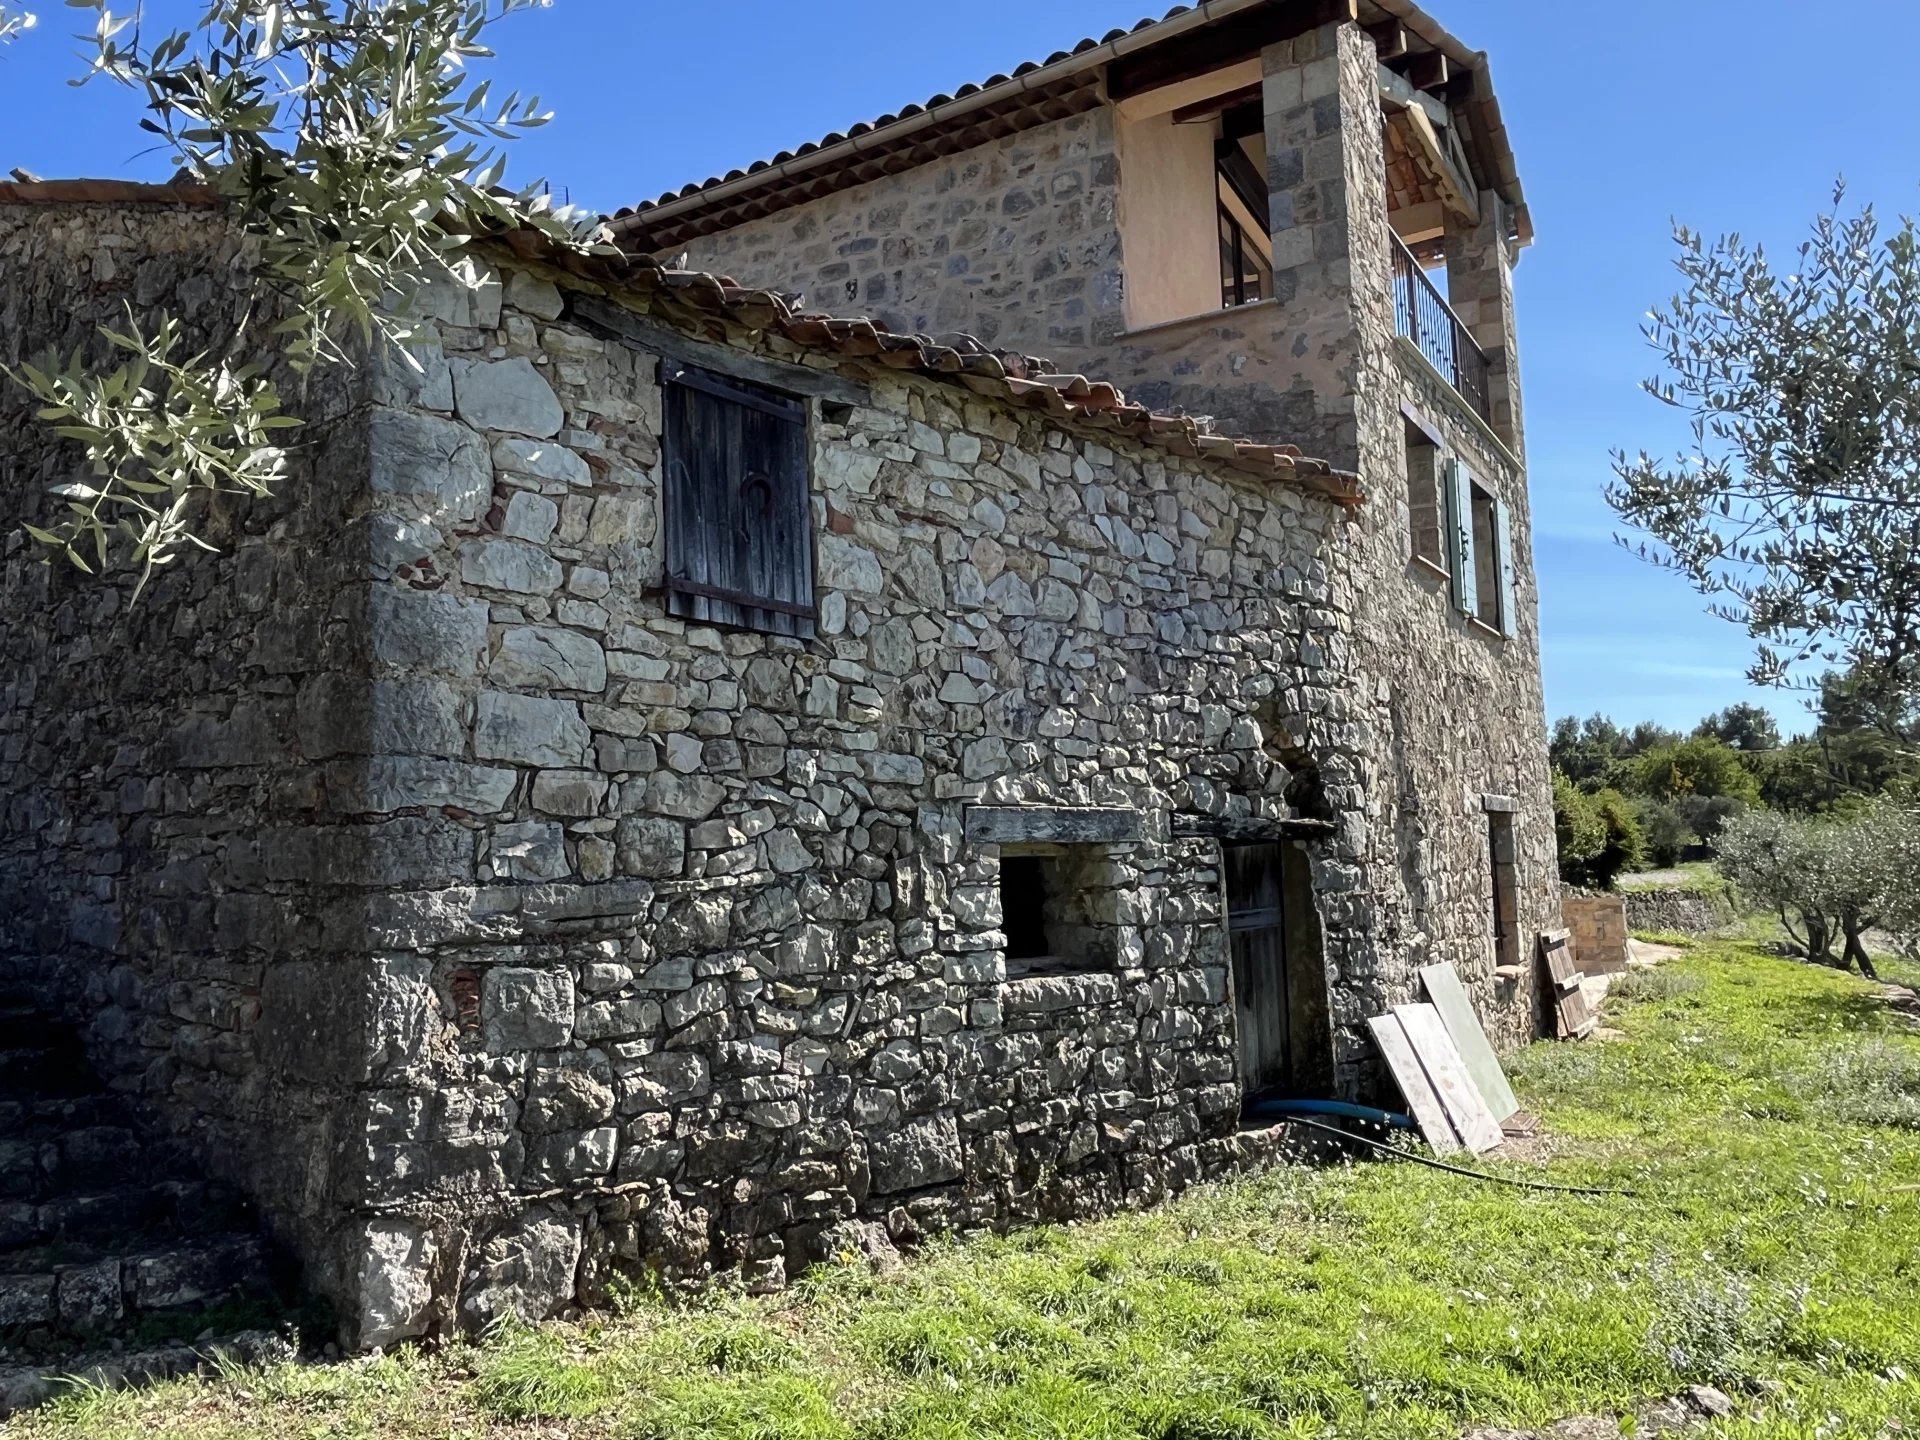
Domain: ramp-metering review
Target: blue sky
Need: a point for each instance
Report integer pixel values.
(1624, 116)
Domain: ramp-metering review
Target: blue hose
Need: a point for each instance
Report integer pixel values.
(1334, 1107)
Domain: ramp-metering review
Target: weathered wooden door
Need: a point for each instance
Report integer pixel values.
(1279, 981)
(1256, 924)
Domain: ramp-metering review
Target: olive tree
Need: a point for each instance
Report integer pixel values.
(1830, 880)
(351, 144)
(1796, 506)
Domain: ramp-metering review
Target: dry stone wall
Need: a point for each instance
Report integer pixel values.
(718, 979)
(154, 756)
(1019, 231)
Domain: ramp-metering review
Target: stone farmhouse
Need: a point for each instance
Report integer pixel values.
(681, 782)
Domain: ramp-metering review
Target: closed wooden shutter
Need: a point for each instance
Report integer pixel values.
(1460, 549)
(1503, 537)
(737, 504)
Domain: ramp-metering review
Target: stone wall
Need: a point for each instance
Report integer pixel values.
(1456, 711)
(155, 757)
(985, 243)
(724, 979)
(1597, 926)
(501, 932)
(1692, 911)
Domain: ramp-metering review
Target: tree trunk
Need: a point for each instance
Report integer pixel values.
(1856, 952)
(1819, 938)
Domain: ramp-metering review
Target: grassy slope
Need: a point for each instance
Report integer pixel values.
(1770, 1107)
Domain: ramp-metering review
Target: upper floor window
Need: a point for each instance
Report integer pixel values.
(1480, 545)
(736, 504)
(1426, 505)
(1246, 240)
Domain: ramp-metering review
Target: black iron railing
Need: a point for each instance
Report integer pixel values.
(1421, 313)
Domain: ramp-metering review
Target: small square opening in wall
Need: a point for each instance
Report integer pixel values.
(1045, 892)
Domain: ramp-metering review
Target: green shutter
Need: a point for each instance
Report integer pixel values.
(1460, 558)
(1509, 600)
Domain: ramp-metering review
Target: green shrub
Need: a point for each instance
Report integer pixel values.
(1577, 827)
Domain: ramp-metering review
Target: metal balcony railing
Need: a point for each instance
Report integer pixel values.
(1421, 313)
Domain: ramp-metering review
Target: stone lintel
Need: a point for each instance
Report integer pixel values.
(1499, 804)
(1248, 827)
(1051, 824)
(669, 344)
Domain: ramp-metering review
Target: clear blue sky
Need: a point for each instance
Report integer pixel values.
(1624, 115)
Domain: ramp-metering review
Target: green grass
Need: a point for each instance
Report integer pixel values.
(1693, 876)
(1764, 1112)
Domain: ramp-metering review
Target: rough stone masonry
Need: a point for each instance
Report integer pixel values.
(500, 933)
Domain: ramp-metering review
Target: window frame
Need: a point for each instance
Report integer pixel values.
(685, 596)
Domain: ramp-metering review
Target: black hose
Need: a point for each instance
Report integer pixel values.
(1399, 1154)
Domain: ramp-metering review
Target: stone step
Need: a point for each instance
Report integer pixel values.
(46, 1162)
(24, 1386)
(25, 1117)
(45, 1072)
(66, 1291)
(22, 1025)
(132, 1216)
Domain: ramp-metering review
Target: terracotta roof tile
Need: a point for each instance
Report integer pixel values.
(696, 299)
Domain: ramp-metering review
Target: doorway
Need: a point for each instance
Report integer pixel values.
(1281, 1009)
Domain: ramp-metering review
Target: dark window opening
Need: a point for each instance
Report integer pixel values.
(736, 504)
(1505, 896)
(1048, 896)
(1486, 558)
(1023, 906)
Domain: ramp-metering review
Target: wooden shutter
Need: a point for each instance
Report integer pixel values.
(1503, 537)
(737, 504)
(1460, 548)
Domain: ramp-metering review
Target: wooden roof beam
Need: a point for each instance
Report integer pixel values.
(1390, 39)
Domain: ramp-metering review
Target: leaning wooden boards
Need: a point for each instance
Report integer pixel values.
(1447, 1073)
(1422, 1099)
(1449, 997)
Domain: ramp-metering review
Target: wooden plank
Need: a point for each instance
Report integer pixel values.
(1423, 1101)
(671, 344)
(1448, 1074)
(1449, 997)
(1205, 110)
(1390, 39)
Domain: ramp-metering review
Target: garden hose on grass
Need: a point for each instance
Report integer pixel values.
(1398, 1154)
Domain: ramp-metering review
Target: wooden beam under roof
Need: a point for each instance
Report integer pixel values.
(1205, 110)
(1221, 44)
(1389, 39)
(1427, 70)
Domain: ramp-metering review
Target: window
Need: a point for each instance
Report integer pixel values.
(1506, 901)
(1480, 550)
(1047, 893)
(1246, 242)
(1426, 504)
(736, 504)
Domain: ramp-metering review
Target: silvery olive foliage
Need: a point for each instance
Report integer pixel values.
(356, 150)
(1830, 880)
(1797, 506)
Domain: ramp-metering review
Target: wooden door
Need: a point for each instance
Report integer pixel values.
(1256, 927)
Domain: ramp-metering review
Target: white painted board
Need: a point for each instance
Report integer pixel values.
(1447, 1073)
(1422, 1100)
(1449, 997)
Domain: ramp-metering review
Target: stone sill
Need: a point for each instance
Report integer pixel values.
(1420, 562)
(1474, 622)
(1410, 353)
(1197, 322)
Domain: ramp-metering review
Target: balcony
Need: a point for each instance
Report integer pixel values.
(1422, 315)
